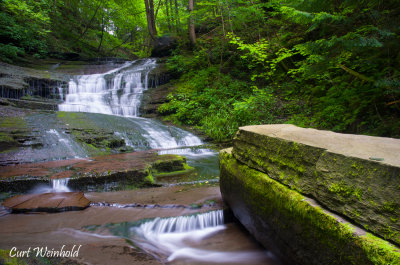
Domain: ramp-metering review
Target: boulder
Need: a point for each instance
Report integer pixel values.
(163, 46)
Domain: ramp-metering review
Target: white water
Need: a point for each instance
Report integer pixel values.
(160, 136)
(57, 185)
(178, 238)
(60, 185)
(119, 92)
(116, 92)
(61, 141)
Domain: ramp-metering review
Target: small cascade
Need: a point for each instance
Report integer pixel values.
(182, 224)
(60, 185)
(163, 237)
(116, 92)
(56, 185)
(160, 136)
(61, 93)
(184, 239)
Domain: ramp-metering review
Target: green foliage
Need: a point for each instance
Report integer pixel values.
(216, 103)
(323, 64)
(23, 28)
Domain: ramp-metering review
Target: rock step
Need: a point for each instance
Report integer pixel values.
(136, 168)
(47, 202)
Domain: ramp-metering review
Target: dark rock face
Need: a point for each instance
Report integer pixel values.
(152, 99)
(70, 56)
(47, 202)
(163, 47)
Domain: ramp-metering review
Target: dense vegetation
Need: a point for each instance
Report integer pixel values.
(323, 64)
(42, 28)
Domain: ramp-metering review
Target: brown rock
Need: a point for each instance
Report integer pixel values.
(47, 202)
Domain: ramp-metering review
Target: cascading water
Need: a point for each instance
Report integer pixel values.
(116, 92)
(57, 185)
(119, 92)
(178, 239)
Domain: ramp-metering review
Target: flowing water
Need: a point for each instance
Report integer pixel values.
(116, 92)
(111, 102)
(57, 185)
(190, 239)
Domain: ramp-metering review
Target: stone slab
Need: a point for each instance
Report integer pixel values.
(47, 202)
(361, 146)
(333, 168)
(293, 226)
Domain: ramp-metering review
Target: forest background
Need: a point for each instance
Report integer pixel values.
(323, 64)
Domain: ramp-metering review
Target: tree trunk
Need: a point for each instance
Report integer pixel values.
(177, 16)
(170, 8)
(192, 33)
(151, 23)
(102, 33)
(168, 18)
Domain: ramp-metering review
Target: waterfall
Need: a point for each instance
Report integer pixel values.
(119, 92)
(57, 185)
(166, 236)
(182, 224)
(60, 185)
(116, 92)
(182, 239)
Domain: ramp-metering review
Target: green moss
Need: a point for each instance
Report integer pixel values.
(341, 189)
(149, 178)
(389, 207)
(6, 138)
(7, 260)
(13, 122)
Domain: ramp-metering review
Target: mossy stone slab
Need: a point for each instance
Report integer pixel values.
(355, 175)
(295, 227)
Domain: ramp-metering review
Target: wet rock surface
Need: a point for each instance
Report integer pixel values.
(47, 202)
(130, 169)
(70, 228)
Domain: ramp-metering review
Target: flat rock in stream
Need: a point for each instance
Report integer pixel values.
(47, 202)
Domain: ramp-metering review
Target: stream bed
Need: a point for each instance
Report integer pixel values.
(181, 222)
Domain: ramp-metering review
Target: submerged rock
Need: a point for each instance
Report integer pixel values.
(47, 202)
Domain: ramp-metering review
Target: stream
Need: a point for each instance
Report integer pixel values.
(110, 102)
